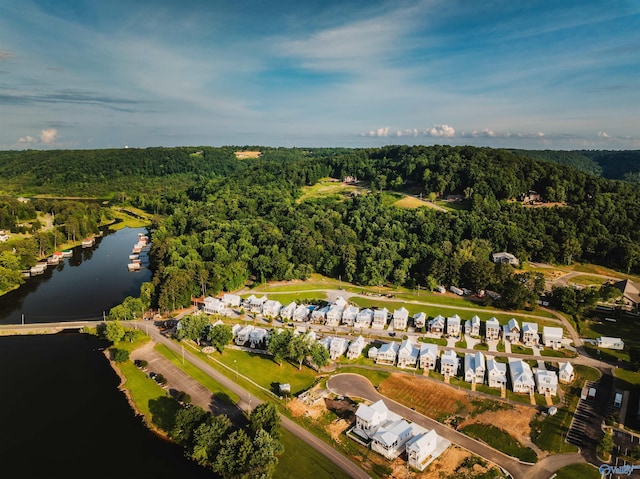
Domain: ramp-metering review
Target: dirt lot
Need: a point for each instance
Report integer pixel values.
(515, 421)
(247, 154)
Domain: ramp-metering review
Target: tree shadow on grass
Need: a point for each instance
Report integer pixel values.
(163, 412)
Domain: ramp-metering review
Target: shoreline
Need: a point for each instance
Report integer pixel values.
(123, 380)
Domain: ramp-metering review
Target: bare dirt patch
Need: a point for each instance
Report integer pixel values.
(431, 398)
(298, 408)
(516, 421)
(247, 154)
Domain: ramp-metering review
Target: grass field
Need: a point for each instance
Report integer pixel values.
(303, 461)
(411, 202)
(326, 187)
(501, 440)
(583, 471)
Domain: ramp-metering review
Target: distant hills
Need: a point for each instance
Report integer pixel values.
(612, 164)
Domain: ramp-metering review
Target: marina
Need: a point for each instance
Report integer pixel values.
(141, 245)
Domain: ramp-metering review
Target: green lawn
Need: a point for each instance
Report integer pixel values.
(303, 461)
(501, 440)
(630, 377)
(582, 471)
(560, 353)
(374, 375)
(517, 349)
(143, 389)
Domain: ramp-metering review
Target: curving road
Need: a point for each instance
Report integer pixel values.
(354, 385)
(175, 376)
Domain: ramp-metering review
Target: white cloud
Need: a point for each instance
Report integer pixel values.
(379, 133)
(48, 136)
(441, 131)
(27, 139)
(603, 134)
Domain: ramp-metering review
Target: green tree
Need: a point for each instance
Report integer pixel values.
(192, 327)
(113, 331)
(207, 438)
(278, 346)
(299, 349)
(186, 421)
(265, 416)
(119, 355)
(319, 355)
(220, 335)
(234, 456)
(605, 445)
(264, 458)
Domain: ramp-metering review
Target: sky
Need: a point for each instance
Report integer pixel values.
(77, 74)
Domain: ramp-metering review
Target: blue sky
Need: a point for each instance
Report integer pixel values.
(519, 74)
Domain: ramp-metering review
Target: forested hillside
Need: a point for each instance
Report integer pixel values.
(249, 227)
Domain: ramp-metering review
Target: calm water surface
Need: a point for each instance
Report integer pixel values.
(81, 287)
(61, 413)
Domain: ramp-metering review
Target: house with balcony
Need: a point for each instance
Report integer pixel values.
(437, 325)
(408, 354)
(243, 335)
(213, 305)
(387, 354)
(419, 320)
(449, 363)
(286, 312)
(474, 367)
(547, 382)
(521, 376)
(334, 315)
(496, 373)
(231, 300)
(429, 354)
(400, 318)
(492, 330)
(380, 318)
(472, 327)
(349, 315)
(257, 337)
(364, 319)
(453, 326)
(421, 449)
(319, 315)
(552, 337)
(271, 308)
(530, 334)
(338, 347)
(301, 313)
(355, 348)
(511, 331)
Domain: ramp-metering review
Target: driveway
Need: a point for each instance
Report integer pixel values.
(356, 386)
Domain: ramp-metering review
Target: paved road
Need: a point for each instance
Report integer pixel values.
(246, 402)
(354, 385)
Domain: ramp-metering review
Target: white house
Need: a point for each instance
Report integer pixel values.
(472, 328)
(400, 318)
(3, 237)
(255, 304)
(372, 353)
(301, 313)
(428, 356)
(419, 320)
(231, 300)
(334, 315)
(437, 325)
(552, 337)
(521, 376)
(387, 354)
(566, 373)
(370, 418)
(213, 305)
(380, 318)
(286, 312)
(389, 440)
(355, 348)
(610, 343)
(547, 382)
(319, 315)
(421, 449)
(338, 347)
(492, 329)
(496, 373)
(349, 315)
(271, 308)
(453, 325)
(235, 329)
(326, 342)
(474, 367)
(243, 335)
(449, 363)
(530, 334)
(511, 331)
(504, 257)
(257, 336)
(408, 354)
(364, 318)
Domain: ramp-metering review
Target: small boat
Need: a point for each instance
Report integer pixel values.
(67, 253)
(133, 256)
(88, 242)
(133, 266)
(58, 254)
(136, 250)
(39, 268)
(53, 260)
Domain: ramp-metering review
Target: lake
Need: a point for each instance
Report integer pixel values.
(62, 412)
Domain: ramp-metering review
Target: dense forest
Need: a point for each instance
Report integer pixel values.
(224, 222)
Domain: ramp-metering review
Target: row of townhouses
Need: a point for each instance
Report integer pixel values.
(342, 313)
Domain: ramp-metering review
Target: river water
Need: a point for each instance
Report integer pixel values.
(61, 413)
(81, 287)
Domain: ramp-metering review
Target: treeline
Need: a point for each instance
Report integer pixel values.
(225, 233)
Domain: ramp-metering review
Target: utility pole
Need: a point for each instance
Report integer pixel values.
(23, 318)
